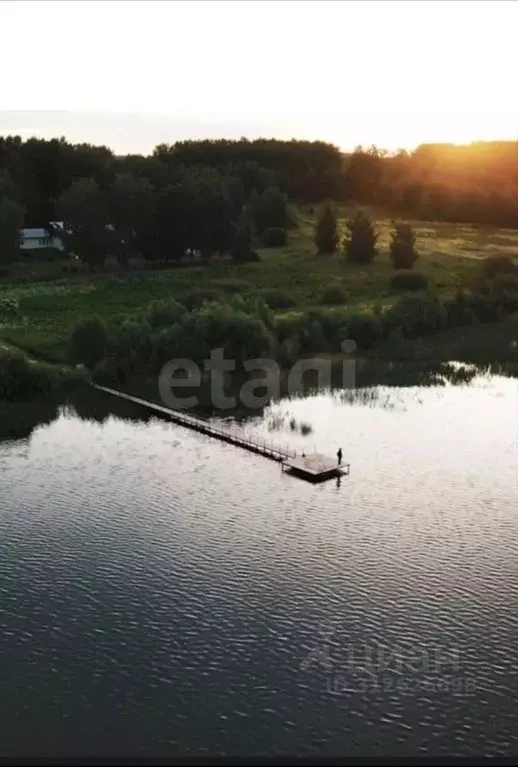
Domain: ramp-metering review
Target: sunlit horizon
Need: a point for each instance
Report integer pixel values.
(132, 75)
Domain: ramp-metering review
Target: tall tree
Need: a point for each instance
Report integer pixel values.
(402, 247)
(360, 240)
(84, 210)
(269, 209)
(326, 234)
(132, 203)
(242, 241)
(8, 187)
(88, 342)
(11, 222)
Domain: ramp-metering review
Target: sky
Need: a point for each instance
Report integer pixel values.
(132, 74)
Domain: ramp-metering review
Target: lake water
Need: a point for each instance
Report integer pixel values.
(165, 594)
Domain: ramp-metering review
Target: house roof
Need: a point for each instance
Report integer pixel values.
(37, 233)
(30, 234)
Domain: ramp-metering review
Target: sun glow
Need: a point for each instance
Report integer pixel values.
(396, 74)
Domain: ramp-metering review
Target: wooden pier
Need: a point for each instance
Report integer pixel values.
(313, 467)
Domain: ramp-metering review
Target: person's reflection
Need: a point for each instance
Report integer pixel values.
(338, 481)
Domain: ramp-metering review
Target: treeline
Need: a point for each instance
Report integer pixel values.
(42, 170)
(211, 196)
(157, 207)
(308, 171)
(475, 183)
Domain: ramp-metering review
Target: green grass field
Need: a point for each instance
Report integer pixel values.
(449, 256)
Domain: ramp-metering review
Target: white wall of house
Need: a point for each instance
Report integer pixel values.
(36, 239)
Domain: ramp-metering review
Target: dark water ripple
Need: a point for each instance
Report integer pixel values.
(164, 594)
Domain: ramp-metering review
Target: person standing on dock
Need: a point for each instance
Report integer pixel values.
(339, 455)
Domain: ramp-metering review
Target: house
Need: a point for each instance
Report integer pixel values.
(38, 239)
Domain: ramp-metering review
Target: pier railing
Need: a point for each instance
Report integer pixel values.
(234, 436)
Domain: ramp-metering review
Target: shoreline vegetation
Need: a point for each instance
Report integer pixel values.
(236, 245)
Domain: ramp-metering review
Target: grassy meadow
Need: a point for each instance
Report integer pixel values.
(450, 256)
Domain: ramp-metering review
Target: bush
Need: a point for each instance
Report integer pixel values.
(9, 308)
(333, 294)
(24, 380)
(416, 316)
(405, 280)
(288, 351)
(326, 234)
(287, 326)
(269, 209)
(161, 314)
(311, 335)
(71, 380)
(402, 247)
(274, 237)
(365, 329)
(335, 327)
(360, 241)
(108, 372)
(505, 290)
(118, 319)
(277, 299)
(88, 343)
(195, 298)
(498, 265)
(485, 307)
(167, 345)
(133, 345)
(459, 312)
(234, 326)
(317, 330)
(255, 305)
(505, 284)
(400, 347)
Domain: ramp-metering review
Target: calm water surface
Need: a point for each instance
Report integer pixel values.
(165, 594)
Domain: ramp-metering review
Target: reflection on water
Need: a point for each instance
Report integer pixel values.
(371, 397)
(285, 420)
(377, 373)
(18, 420)
(377, 384)
(165, 594)
(98, 407)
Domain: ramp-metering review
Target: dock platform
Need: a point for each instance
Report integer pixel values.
(315, 467)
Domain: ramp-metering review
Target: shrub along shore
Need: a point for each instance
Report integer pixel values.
(23, 379)
(474, 326)
(414, 327)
